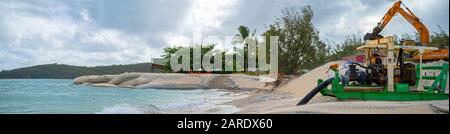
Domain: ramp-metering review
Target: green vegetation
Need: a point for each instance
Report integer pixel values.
(346, 48)
(437, 39)
(171, 51)
(244, 33)
(61, 71)
(300, 47)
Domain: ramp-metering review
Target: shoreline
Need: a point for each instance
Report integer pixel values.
(215, 106)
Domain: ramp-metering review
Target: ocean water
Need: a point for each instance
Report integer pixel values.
(54, 96)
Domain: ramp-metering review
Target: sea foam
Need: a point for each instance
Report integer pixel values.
(120, 109)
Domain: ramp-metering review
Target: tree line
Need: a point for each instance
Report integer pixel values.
(61, 71)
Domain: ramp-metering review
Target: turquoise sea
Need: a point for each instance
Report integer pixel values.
(56, 96)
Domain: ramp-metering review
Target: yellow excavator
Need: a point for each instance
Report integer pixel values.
(430, 55)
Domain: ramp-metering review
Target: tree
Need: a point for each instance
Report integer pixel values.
(300, 47)
(244, 33)
(170, 51)
(439, 39)
(62, 71)
(347, 48)
(323, 53)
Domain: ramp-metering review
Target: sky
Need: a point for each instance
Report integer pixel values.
(105, 32)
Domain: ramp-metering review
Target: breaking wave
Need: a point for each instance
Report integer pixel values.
(120, 109)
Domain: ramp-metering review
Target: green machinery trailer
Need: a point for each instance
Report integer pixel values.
(402, 91)
(387, 84)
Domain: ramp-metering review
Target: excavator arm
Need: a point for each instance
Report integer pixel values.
(409, 16)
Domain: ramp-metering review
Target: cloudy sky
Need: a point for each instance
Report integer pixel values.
(103, 32)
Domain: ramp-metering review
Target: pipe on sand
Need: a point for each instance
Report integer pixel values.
(316, 90)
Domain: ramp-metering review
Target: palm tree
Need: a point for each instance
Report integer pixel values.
(244, 32)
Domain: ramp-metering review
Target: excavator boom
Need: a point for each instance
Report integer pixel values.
(409, 16)
(417, 24)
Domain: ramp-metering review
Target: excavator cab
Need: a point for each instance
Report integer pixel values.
(375, 34)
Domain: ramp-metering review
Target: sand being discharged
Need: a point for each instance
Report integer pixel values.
(301, 86)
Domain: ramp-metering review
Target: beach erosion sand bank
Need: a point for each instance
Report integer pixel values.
(262, 97)
(179, 81)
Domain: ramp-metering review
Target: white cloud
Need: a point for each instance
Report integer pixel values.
(20, 27)
(29, 39)
(109, 38)
(202, 17)
(208, 14)
(423, 5)
(346, 23)
(173, 39)
(85, 15)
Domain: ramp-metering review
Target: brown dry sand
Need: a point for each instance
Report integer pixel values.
(301, 86)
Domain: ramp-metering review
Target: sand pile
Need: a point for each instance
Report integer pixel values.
(301, 86)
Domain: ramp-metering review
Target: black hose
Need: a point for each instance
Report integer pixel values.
(356, 63)
(316, 90)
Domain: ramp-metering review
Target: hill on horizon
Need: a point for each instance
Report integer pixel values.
(63, 71)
